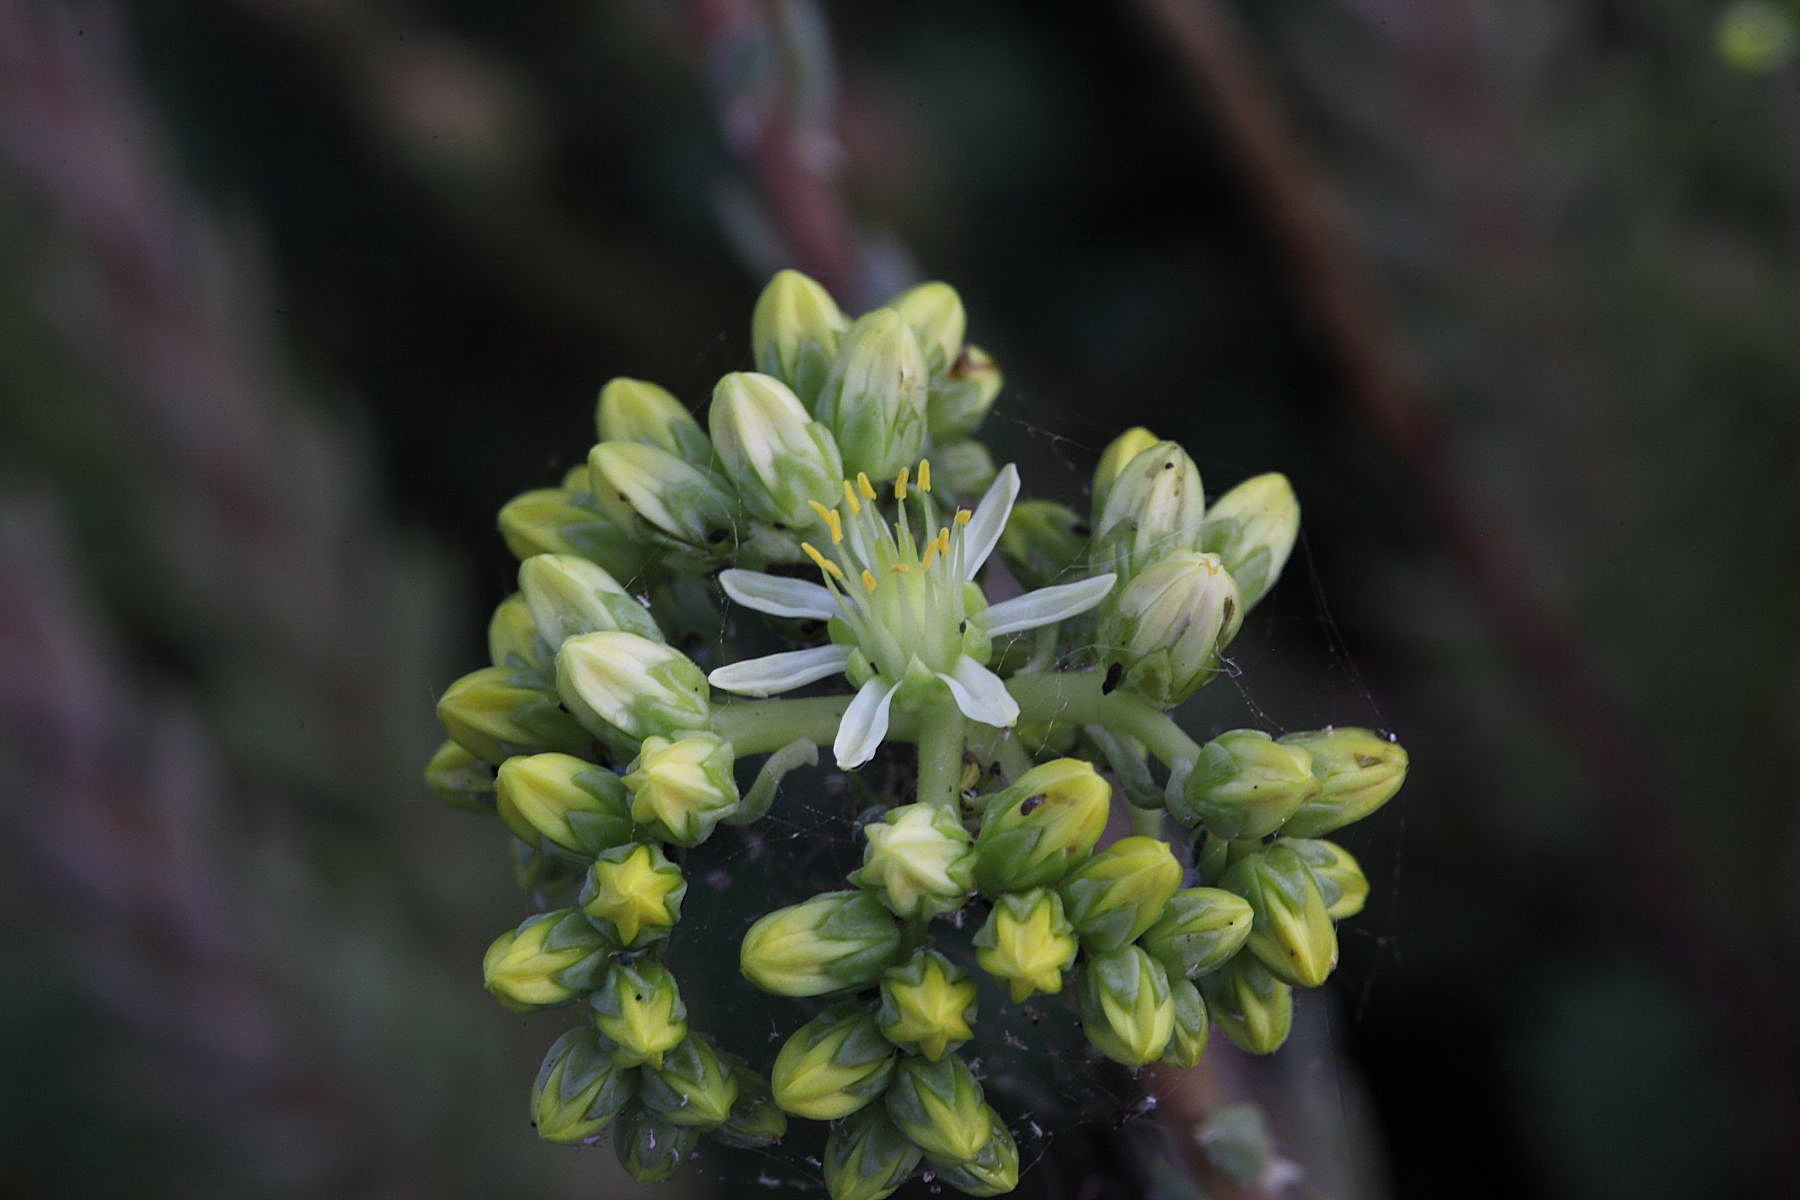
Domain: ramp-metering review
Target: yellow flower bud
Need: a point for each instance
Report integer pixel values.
(497, 712)
(780, 459)
(935, 312)
(794, 333)
(1169, 625)
(1290, 931)
(563, 521)
(939, 1106)
(1252, 529)
(874, 397)
(1199, 930)
(460, 779)
(693, 1086)
(960, 399)
(867, 1157)
(756, 1120)
(1028, 942)
(1340, 877)
(513, 639)
(1252, 1008)
(1245, 785)
(638, 1008)
(1153, 509)
(633, 895)
(992, 1172)
(625, 688)
(632, 410)
(1042, 825)
(566, 801)
(682, 789)
(834, 941)
(832, 1065)
(649, 1147)
(919, 861)
(1126, 1009)
(1188, 1040)
(1120, 892)
(579, 1089)
(927, 1004)
(1358, 772)
(1113, 460)
(548, 960)
(663, 500)
(567, 596)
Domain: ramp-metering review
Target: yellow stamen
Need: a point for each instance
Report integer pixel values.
(899, 568)
(864, 486)
(924, 475)
(931, 552)
(850, 497)
(868, 579)
(900, 485)
(943, 540)
(962, 516)
(832, 521)
(820, 561)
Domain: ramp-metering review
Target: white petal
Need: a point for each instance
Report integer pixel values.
(988, 520)
(980, 694)
(778, 595)
(780, 672)
(864, 724)
(1057, 603)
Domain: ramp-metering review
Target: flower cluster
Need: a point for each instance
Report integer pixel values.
(837, 491)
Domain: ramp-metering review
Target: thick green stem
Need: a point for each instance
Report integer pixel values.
(999, 747)
(761, 726)
(1076, 698)
(940, 754)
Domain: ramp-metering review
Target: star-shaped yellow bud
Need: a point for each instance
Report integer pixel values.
(682, 789)
(926, 1005)
(1028, 942)
(919, 860)
(635, 893)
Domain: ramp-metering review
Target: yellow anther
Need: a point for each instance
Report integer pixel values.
(850, 498)
(962, 516)
(824, 513)
(924, 475)
(943, 541)
(837, 527)
(868, 578)
(931, 552)
(899, 568)
(820, 561)
(864, 486)
(900, 485)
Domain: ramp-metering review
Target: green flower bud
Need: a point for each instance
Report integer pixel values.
(663, 499)
(638, 1008)
(992, 1172)
(794, 333)
(548, 960)
(649, 1147)
(963, 468)
(1043, 543)
(625, 688)
(568, 596)
(1358, 772)
(579, 1089)
(1028, 942)
(1252, 529)
(834, 941)
(1168, 626)
(682, 789)
(557, 521)
(1120, 892)
(919, 861)
(1252, 1008)
(874, 397)
(1188, 1041)
(1153, 509)
(960, 401)
(832, 1065)
(1244, 785)
(495, 712)
(1199, 930)
(566, 801)
(513, 639)
(1113, 460)
(1290, 930)
(935, 312)
(1044, 823)
(780, 459)
(631, 410)
(694, 1086)
(867, 1157)
(1340, 878)
(460, 779)
(1126, 1008)
(927, 1004)
(756, 1120)
(939, 1106)
(633, 895)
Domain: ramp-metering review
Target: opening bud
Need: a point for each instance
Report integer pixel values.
(1126, 1009)
(556, 521)
(832, 1065)
(682, 789)
(460, 779)
(794, 333)
(632, 410)
(1199, 930)
(1358, 772)
(693, 1087)
(919, 861)
(1033, 832)
(548, 960)
(940, 1107)
(927, 1004)
(867, 1157)
(1043, 543)
(513, 639)
(567, 596)
(780, 459)
(663, 500)
(1341, 879)
(649, 1147)
(1113, 460)
(756, 1120)
(565, 801)
(1188, 1041)
(579, 1089)
(1252, 529)
(1153, 509)
(1290, 931)
(1245, 785)
(638, 1009)
(1028, 942)
(625, 688)
(834, 941)
(1252, 1008)
(992, 1172)
(960, 400)
(496, 712)
(633, 895)
(874, 397)
(1169, 625)
(1120, 892)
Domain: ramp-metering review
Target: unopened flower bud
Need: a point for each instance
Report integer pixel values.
(649, 1147)
(548, 960)
(579, 1089)
(632, 410)
(1169, 625)
(963, 468)
(935, 312)
(927, 1004)
(1188, 1040)
(993, 1171)
(1290, 930)
(874, 397)
(638, 1008)
(1252, 1008)
(1340, 877)
(1153, 510)
(779, 458)
(622, 687)
(662, 499)
(756, 1120)
(1244, 785)
(633, 895)
(867, 1157)
(682, 789)
(1119, 452)
(1252, 529)
(1199, 930)
(1126, 1009)
(566, 801)
(1043, 543)
(1120, 892)
(834, 941)
(1028, 942)
(694, 1086)
(960, 400)
(497, 712)
(556, 521)
(513, 639)
(794, 333)
(832, 1065)
(940, 1107)
(1358, 772)
(568, 596)
(1042, 825)
(919, 861)
(460, 779)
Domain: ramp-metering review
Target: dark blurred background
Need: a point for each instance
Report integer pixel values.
(295, 293)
